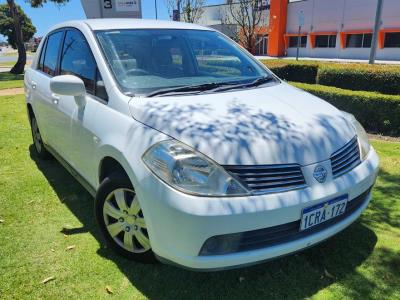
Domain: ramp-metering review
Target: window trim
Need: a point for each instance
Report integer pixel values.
(44, 50)
(66, 29)
(104, 101)
(58, 65)
(382, 36)
(362, 46)
(287, 36)
(343, 36)
(41, 55)
(313, 38)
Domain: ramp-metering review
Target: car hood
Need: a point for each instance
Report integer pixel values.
(278, 124)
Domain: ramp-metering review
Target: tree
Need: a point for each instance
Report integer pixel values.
(192, 10)
(7, 25)
(18, 28)
(171, 6)
(247, 15)
(19, 23)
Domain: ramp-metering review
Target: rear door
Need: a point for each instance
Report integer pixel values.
(45, 102)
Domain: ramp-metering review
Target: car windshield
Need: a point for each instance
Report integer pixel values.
(147, 61)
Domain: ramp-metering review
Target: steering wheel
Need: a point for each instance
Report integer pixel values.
(136, 71)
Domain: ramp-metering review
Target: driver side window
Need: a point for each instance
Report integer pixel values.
(77, 59)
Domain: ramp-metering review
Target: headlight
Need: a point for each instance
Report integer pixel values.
(361, 134)
(189, 171)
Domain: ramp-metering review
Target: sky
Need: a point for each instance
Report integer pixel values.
(50, 14)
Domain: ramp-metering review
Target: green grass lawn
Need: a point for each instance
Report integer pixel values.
(8, 80)
(13, 53)
(7, 64)
(44, 211)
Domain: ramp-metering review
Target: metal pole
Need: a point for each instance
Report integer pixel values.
(155, 7)
(101, 10)
(372, 54)
(298, 44)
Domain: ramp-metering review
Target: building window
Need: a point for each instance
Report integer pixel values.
(392, 40)
(294, 39)
(261, 45)
(362, 40)
(325, 41)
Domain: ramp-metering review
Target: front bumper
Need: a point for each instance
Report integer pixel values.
(180, 224)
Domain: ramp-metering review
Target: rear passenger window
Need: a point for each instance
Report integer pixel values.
(40, 65)
(51, 53)
(77, 59)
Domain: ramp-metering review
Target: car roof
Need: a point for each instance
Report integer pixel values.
(126, 23)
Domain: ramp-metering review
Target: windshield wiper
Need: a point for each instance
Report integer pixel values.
(211, 87)
(186, 89)
(254, 83)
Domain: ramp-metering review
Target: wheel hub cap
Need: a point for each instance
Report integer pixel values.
(124, 221)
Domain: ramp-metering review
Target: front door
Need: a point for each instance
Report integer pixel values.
(77, 59)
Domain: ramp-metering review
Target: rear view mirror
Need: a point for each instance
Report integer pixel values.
(69, 85)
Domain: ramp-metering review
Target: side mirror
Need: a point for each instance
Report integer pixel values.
(69, 85)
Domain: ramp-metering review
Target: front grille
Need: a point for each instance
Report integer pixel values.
(345, 158)
(263, 179)
(266, 237)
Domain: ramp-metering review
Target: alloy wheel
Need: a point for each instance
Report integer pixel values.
(124, 220)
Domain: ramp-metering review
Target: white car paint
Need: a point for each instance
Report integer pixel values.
(290, 123)
(273, 125)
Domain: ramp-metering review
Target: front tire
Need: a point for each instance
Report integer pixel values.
(37, 139)
(121, 219)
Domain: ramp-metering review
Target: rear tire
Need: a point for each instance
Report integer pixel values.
(121, 219)
(37, 140)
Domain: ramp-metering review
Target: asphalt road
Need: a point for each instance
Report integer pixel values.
(8, 58)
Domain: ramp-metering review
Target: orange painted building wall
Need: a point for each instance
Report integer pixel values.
(277, 27)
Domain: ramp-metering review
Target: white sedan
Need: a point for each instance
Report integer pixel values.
(196, 153)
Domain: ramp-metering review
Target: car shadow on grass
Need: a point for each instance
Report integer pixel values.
(292, 277)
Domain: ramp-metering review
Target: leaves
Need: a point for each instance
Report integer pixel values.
(7, 25)
(109, 290)
(48, 279)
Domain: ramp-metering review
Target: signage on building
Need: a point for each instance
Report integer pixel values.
(263, 4)
(112, 8)
(126, 5)
(301, 18)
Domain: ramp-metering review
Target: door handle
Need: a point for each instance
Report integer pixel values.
(55, 99)
(33, 84)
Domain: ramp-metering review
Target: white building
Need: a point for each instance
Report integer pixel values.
(330, 29)
(343, 28)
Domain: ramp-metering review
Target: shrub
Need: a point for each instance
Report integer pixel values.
(378, 113)
(382, 79)
(289, 71)
(358, 77)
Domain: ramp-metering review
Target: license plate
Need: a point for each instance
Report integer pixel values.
(322, 212)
